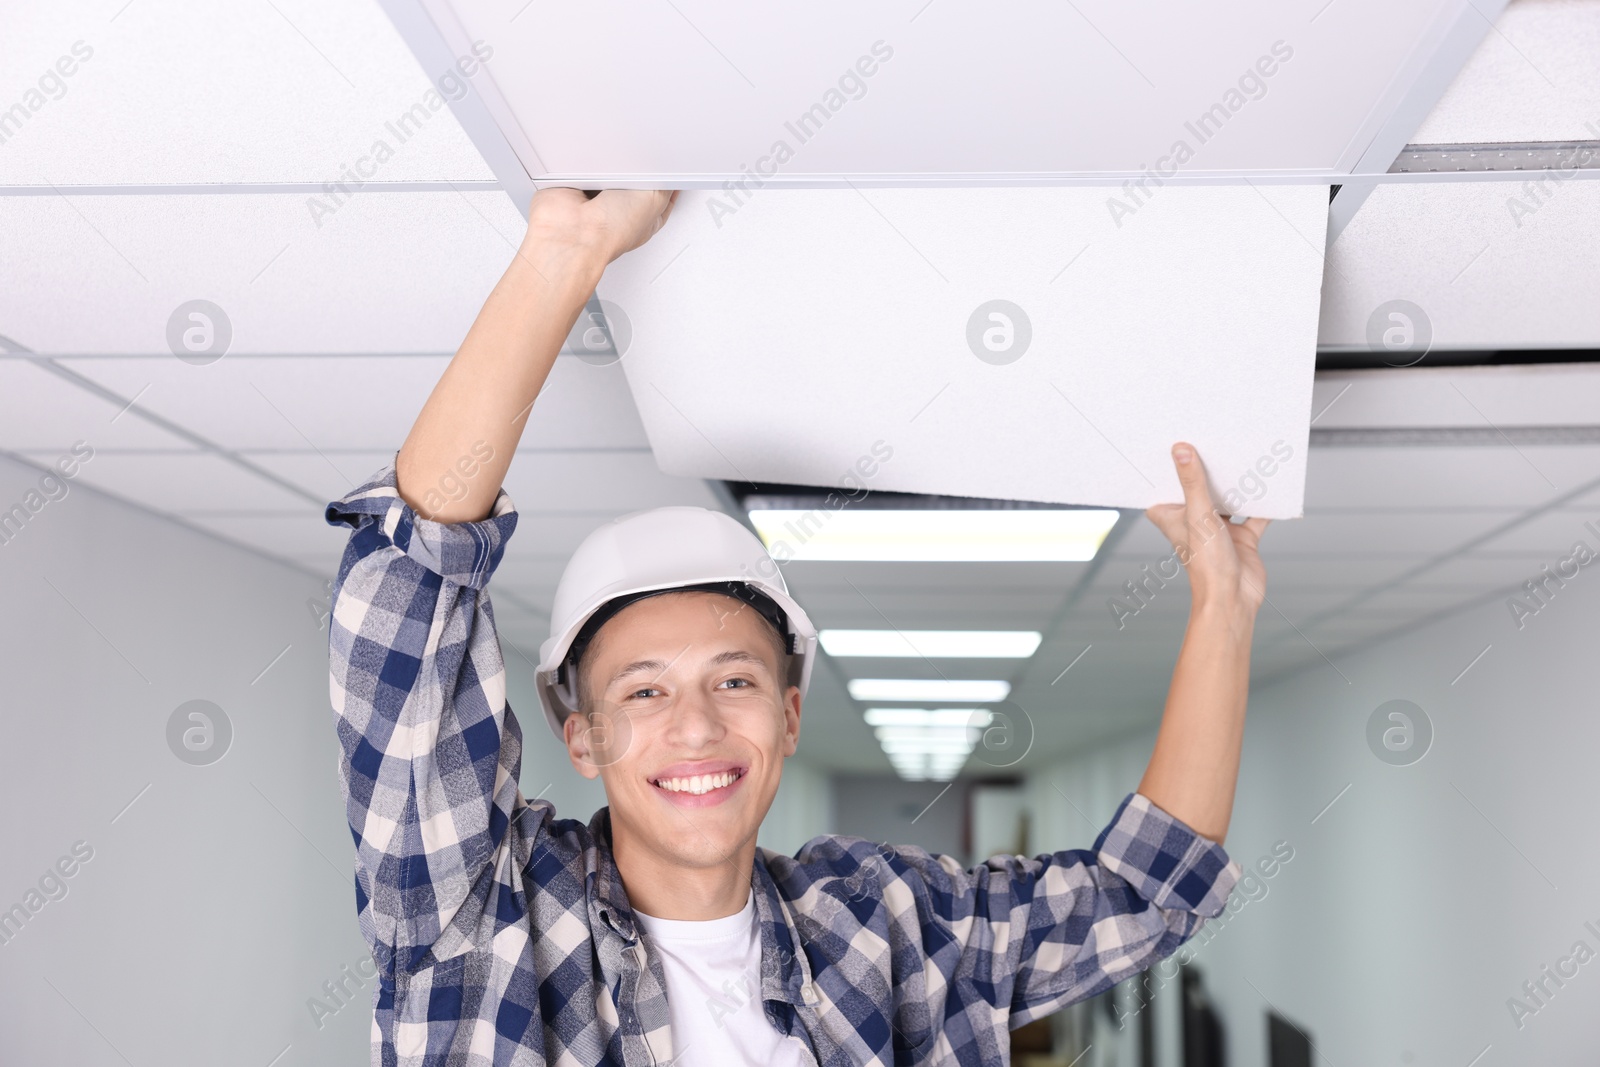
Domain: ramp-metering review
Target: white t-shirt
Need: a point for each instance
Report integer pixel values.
(713, 972)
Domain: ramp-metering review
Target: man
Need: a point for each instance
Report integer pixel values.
(659, 933)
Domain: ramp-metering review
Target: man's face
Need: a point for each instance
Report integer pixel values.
(683, 686)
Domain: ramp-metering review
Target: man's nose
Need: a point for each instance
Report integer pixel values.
(695, 717)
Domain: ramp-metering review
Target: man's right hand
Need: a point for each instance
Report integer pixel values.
(453, 462)
(613, 222)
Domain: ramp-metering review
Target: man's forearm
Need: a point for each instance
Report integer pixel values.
(475, 415)
(1195, 765)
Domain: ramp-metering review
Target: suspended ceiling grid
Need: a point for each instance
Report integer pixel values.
(241, 449)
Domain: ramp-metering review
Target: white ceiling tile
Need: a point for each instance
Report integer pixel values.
(1484, 273)
(185, 91)
(1536, 78)
(391, 272)
(883, 76)
(198, 481)
(1335, 571)
(331, 403)
(1333, 531)
(328, 475)
(589, 481)
(881, 293)
(1415, 478)
(301, 535)
(1420, 532)
(294, 402)
(1552, 534)
(1415, 600)
(585, 405)
(1356, 566)
(1485, 571)
(1339, 632)
(1548, 394)
(40, 411)
(544, 540)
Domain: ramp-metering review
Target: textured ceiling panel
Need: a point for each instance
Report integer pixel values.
(39, 411)
(1551, 394)
(850, 89)
(1492, 264)
(588, 481)
(390, 272)
(1537, 78)
(177, 482)
(1412, 478)
(186, 91)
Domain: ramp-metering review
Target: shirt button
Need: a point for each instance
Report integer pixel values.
(808, 993)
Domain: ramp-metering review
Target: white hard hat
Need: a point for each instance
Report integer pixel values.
(656, 551)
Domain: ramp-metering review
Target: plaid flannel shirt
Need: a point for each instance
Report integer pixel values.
(502, 934)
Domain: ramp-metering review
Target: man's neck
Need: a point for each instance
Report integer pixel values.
(668, 890)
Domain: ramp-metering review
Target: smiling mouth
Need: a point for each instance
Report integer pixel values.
(699, 784)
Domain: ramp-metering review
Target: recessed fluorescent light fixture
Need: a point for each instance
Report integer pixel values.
(931, 690)
(948, 535)
(976, 717)
(932, 644)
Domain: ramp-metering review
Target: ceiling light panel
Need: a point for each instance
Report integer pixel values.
(1027, 534)
(929, 689)
(838, 89)
(932, 644)
(185, 91)
(934, 717)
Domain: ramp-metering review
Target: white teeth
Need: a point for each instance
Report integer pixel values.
(700, 783)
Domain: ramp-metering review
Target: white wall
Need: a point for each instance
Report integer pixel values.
(546, 770)
(802, 809)
(883, 807)
(1420, 902)
(219, 903)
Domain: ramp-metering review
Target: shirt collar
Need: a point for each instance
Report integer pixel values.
(608, 902)
(785, 971)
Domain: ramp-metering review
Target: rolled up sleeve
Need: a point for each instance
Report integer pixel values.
(430, 752)
(1025, 936)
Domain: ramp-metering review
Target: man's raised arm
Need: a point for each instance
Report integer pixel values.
(1195, 765)
(475, 415)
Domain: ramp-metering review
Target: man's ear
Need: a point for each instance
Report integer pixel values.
(576, 732)
(791, 720)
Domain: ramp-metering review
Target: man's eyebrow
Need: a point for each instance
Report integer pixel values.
(736, 655)
(657, 668)
(637, 667)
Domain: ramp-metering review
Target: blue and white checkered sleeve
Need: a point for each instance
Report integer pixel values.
(1150, 884)
(1039, 933)
(430, 749)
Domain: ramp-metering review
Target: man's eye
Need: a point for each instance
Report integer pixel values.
(645, 692)
(741, 682)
